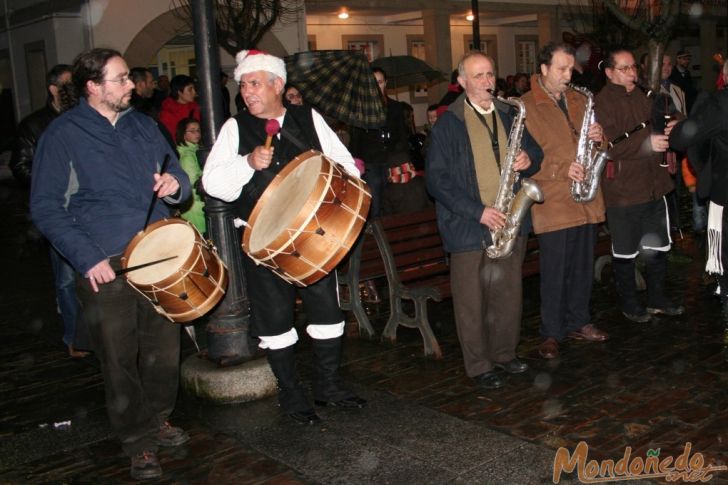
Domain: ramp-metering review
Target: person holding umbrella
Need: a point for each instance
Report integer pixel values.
(389, 171)
(240, 166)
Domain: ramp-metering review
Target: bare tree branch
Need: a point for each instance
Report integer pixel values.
(633, 23)
(241, 24)
(594, 21)
(648, 21)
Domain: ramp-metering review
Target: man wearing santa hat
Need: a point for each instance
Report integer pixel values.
(238, 170)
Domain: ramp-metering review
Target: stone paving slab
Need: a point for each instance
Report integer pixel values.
(389, 441)
(206, 458)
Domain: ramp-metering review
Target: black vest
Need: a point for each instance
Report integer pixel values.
(297, 125)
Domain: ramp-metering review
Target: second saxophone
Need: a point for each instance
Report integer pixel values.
(587, 154)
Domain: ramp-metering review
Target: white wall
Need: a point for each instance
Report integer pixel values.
(71, 38)
(63, 37)
(116, 22)
(329, 33)
(506, 39)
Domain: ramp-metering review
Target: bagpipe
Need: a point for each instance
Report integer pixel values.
(663, 110)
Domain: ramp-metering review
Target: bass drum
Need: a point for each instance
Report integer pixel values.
(307, 219)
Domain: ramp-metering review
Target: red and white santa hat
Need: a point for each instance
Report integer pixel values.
(255, 60)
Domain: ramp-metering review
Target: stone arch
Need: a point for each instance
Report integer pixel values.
(165, 27)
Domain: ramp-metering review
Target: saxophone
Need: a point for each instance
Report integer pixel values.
(587, 154)
(514, 206)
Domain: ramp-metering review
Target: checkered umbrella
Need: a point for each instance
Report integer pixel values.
(407, 71)
(339, 84)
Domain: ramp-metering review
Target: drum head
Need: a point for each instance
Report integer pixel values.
(173, 239)
(285, 203)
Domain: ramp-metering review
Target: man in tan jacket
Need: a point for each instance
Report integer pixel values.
(566, 229)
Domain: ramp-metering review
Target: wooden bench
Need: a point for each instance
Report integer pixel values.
(407, 251)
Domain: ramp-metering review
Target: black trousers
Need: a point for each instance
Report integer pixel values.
(273, 300)
(139, 354)
(638, 228)
(566, 259)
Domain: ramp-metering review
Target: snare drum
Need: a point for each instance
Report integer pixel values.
(181, 289)
(307, 219)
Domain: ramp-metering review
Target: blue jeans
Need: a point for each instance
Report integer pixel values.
(376, 177)
(65, 280)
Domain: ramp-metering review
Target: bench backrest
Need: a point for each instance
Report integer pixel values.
(413, 243)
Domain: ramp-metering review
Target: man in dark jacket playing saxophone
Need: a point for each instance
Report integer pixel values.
(469, 143)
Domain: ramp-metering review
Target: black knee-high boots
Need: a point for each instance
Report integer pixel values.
(328, 389)
(624, 277)
(656, 273)
(291, 395)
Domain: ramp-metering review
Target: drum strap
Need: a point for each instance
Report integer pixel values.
(298, 143)
(298, 134)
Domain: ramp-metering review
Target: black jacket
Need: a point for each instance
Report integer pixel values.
(705, 137)
(452, 181)
(29, 131)
(684, 81)
(388, 145)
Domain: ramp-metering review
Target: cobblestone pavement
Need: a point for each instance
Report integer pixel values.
(650, 386)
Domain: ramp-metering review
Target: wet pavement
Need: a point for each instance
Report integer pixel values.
(650, 386)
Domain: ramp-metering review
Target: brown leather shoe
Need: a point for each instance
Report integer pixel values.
(145, 465)
(591, 333)
(77, 354)
(549, 348)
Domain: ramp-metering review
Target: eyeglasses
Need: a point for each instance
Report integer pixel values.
(122, 80)
(625, 69)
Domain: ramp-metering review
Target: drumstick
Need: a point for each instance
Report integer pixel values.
(154, 196)
(140, 266)
(272, 127)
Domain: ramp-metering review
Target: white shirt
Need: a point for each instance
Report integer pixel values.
(226, 171)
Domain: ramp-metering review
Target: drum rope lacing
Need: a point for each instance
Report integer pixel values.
(183, 273)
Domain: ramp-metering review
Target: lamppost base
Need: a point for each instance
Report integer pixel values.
(226, 385)
(227, 342)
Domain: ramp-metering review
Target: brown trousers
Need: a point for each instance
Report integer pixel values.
(487, 298)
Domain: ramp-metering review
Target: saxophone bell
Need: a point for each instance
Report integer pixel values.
(514, 206)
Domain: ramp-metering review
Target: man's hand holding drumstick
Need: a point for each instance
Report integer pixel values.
(100, 273)
(164, 185)
(261, 157)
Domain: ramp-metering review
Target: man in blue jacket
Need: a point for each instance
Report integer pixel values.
(95, 173)
(469, 143)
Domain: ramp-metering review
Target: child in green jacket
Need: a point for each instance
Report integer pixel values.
(188, 138)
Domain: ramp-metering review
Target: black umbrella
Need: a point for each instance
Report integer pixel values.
(339, 84)
(407, 71)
